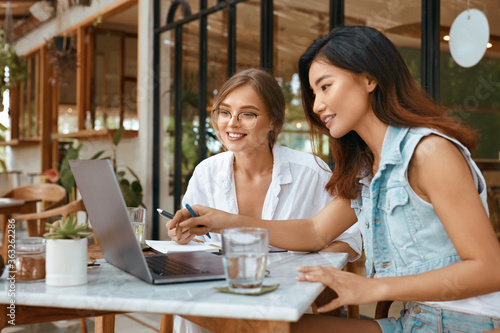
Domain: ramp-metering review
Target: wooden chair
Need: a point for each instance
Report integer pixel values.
(49, 195)
(382, 309)
(45, 195)
(62, 211)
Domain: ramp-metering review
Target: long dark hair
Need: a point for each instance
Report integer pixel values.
(397, 100)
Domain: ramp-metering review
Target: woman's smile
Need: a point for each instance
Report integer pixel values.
(327, 119)
(234, 136)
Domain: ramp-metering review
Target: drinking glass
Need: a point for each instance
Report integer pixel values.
(137, 216)
(244, 255)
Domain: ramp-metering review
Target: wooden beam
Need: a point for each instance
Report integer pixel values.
(14, 113)
(45, 105)
(89, 72)
(81, 70)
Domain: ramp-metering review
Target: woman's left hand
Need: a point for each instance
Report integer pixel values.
(350, 288)
(179, 235)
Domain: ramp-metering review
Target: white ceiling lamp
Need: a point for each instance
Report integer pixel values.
(469, 35)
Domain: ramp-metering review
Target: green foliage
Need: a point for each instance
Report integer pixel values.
(67, 180)
(131, 189)
(67, 229)
(293, 105)
(17, 67)
(18, 71)
(118, 136)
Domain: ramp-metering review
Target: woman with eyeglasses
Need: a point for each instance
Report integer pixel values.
(403, 171)
(256, 176)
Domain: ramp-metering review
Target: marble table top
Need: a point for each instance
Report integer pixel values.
(110, 288)
(8, 202)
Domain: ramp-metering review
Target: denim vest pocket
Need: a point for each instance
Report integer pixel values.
(399, 229)
(392, 198)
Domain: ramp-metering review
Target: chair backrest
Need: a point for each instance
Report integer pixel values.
(51, 195)
(64, 211)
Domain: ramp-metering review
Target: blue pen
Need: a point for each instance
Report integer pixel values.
(193, 214)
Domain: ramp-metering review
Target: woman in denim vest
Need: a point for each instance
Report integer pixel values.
(404, 170)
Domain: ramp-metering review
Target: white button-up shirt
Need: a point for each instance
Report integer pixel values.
(297, 189)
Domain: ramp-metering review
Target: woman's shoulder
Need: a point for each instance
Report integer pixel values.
(437, 148)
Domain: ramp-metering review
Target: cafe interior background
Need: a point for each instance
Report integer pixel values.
(129, 64)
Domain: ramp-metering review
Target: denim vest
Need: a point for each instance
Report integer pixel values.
(402, 234)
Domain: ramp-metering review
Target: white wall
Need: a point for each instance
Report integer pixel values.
(145, 107)
(26, 159)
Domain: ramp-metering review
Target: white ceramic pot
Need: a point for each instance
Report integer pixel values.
(66, 262)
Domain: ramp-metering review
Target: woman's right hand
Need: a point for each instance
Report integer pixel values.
(207, 220)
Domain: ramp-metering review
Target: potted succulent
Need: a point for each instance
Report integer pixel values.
(66, 253)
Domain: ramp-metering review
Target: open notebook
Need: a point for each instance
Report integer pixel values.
(173, 247)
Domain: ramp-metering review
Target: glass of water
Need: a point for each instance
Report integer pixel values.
(244, 255)
(137, 216)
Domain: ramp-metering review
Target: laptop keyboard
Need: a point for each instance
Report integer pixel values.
(165, 266)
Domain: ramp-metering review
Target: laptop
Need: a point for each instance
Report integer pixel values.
(107, 211)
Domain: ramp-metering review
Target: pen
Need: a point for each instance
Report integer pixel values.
(164, 213)
(193, 214)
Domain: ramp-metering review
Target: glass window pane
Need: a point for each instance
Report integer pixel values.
(472, 95)
(190, 100)
(29, 109)
(247, 35)
(66, 65)
(107, 80)
(400, 21)
(130, 119)
(297, 24)
(130, 69)
(33, 96)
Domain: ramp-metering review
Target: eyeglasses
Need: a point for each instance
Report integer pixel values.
(247, 120)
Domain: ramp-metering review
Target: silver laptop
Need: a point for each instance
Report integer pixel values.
(104, 202)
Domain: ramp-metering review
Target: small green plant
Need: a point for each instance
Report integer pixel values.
(67, 229)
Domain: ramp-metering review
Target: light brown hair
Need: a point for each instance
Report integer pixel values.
(266, 87)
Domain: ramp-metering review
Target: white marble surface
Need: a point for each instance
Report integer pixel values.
(109, 288)
(8, 202)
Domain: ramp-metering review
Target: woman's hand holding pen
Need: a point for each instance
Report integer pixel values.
(208, 220)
